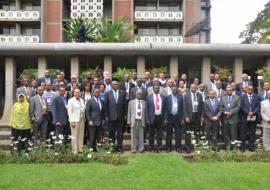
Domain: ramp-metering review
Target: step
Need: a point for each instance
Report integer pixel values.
(5, 135)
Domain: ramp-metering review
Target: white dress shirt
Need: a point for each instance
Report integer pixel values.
(158, 111)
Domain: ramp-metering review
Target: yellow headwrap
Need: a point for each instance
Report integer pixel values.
(20, 118)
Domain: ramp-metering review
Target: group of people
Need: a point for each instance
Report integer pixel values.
(158, 105)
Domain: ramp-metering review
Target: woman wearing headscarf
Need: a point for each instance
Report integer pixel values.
(20, 122)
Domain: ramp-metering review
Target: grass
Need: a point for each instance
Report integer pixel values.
(147, 171)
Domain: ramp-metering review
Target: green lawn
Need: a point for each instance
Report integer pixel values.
(148, 171)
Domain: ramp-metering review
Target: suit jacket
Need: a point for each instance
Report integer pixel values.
(36, 109)
(234, 108)
(59, 111)
(245, 106)
(123, 87)
(209, 113)
(265, 113)
(240, 85)
(169, 105)
(21, 90)
(150, 108)
(166, 91)
(42, 80)
(115, 111)
(93, 112)
(262, 95)
(134, 90)
(74, 112)
(188, 107)
(222, 93)
(131, 114)
(205, 94)
(150, 91)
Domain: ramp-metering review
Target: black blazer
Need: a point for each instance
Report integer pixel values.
(93, 112)
(169, 105)
(245, 106)
(115, 111)
(59, 111)
(150, 108)
(188, 107)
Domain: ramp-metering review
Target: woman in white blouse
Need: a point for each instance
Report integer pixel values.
(76, 114)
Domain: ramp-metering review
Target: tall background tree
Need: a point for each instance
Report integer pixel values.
(258, 31)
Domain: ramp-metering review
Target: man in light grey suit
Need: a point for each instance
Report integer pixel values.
(265, 112)
(26, 89)
(230, 106)
(136, 120)
(38, 114)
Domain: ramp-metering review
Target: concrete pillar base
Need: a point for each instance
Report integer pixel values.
(238, 69)
(74, 66)
(108, 65)
(205, 70)
(42, 66)
(173, 66)
(140, 66)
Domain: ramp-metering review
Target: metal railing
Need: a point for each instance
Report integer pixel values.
(19, 39)
(160, 39)
(159, 15)
(19, 15)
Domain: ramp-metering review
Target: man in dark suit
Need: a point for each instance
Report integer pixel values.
(60, 115)
(250, 106)
(212, 113)
(94, 115)
(173, 119)
(244, 83)
(115, 113)
(263, 94)
(46, 79)
(193, 114)
(126, 87)
(230, 105)
(155, 110)
(134, 90)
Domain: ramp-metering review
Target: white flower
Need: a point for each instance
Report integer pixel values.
(15, 142)
(24, 139)
(48, 140)
(29, 149)
(203, 137)
(90, 149)
(11, 144)
(61, 137)
(60, 142)
(193, 141)
(89, 156)
(53, 137)
(98, 144)
(191, 132)
(15, 148)
(206, 147)
(109, 152)
(198, 152)
(49, 145)
(55, 153)
(233, 142)
(52, 133)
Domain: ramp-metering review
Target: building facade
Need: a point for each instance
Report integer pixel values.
(34, 21)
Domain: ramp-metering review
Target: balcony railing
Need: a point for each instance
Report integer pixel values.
(19, 15)
(160, 39)
(18, 39)
(159, 15)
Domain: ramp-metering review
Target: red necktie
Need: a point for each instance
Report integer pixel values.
(157, 102)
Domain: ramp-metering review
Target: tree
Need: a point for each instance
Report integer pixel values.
(71, 29)
(116, 31)
(258, 31)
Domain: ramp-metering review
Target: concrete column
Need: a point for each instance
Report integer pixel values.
(18, 4)
(74, 66)
(174, 66)
(108, 64)
(18, 29)
(140, 66)
(10, 81)
(268, 62)
(205, 69)
(238, 68)
(42, 66)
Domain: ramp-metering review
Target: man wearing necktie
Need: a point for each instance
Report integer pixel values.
(94, 115)
(193, 115)
(250, 106)
(173, 119)
(136, 120)
(155, 110)
(26, 89)
(115, 104)
(230, 105)
(38, 113)
(212, 113)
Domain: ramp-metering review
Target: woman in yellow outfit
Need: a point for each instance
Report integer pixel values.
(20, 122)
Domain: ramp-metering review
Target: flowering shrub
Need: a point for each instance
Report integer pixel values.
(56, 151)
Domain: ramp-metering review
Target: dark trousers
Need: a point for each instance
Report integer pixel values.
(176, 125)
(50, 127)
(92, 136)
(211, 132)
(24, 135)
(193, 126)
(116, 127)
(248, 129)
(230, 132)
(156, 128)
(86, 133)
